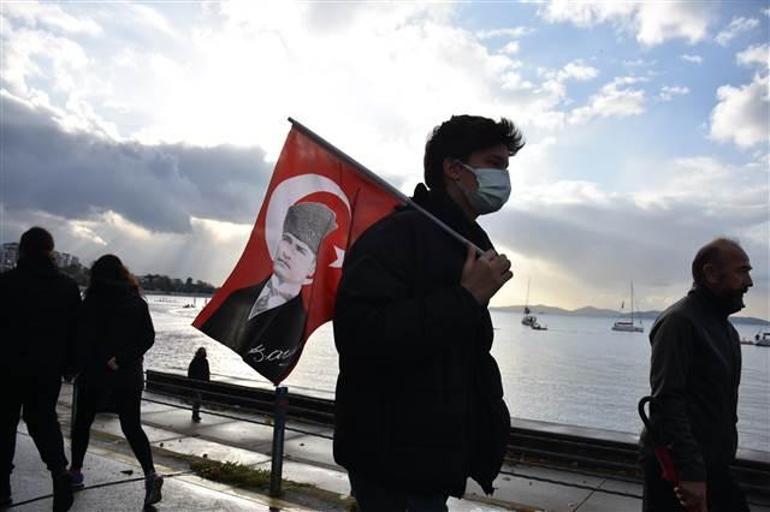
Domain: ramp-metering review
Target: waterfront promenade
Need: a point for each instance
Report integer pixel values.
(308, 460)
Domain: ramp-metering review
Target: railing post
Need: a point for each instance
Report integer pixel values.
(279, 424)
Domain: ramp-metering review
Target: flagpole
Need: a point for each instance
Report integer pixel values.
(387, 186)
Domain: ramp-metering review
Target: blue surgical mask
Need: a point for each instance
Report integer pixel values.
(493, 190)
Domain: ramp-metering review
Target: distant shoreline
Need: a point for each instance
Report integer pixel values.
(590, 311)
(538, 309)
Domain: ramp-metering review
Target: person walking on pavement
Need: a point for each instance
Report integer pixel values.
(39, 308)
(198, 370)
(115, 330)
(694, 375)
(419, 400)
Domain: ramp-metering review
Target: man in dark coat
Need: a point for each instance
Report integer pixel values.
(694, 375)
(419, 400)
(264, 323)
(198, 369)
(38, 322)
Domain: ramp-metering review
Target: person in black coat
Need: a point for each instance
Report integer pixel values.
(419, 400)
(198, 370)
(115, 330)
(39, 308)
(695, 373)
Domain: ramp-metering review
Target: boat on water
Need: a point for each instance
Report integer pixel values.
(762, 338)
(530, 320)
(621, 325)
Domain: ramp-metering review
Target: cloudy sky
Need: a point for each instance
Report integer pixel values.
(150, 129)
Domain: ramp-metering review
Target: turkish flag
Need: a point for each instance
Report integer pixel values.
(284, 286)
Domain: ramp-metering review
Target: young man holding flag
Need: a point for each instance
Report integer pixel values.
(419, 405)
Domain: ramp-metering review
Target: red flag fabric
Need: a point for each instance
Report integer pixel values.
(283, 287)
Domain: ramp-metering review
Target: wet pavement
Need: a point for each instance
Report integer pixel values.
(113, 483)
(307, 459)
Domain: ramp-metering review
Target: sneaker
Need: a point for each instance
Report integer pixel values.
(152, 486)
(62, 492)
(78, 482)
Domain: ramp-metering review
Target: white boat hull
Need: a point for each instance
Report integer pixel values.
(627, 327)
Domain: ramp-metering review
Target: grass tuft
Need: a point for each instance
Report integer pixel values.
(232, 473)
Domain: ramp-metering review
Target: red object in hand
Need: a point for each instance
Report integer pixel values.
(668, 471)
(662, 453)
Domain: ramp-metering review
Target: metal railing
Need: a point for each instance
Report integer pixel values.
(610, 460)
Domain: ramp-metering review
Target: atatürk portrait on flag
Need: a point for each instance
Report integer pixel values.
(284, 285)
(265, 322)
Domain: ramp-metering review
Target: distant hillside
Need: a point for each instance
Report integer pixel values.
(590, 311)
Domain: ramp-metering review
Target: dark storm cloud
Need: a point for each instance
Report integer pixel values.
(76, 175)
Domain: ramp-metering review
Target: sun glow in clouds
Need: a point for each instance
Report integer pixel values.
(157, 125)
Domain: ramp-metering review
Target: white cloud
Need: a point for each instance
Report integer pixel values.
(737, 26)
(638, 63)
(695, 59)
(38, 55)
(758, 54)
(47, 15)
(511, 48)
(615, 99)
(652, 22)
(514, 33)
(578, 71)
(152, 18)
(667, 93)
(741, 114)
(555, 84)
(578, 233)
(245, 66)
(372, 78)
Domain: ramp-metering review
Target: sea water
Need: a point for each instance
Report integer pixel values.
(578, 372)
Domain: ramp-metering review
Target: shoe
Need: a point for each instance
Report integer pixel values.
(62, 492)
(78, 481)
(196, 419)
(152, 486)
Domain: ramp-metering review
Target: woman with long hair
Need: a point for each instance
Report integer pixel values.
(115, 331)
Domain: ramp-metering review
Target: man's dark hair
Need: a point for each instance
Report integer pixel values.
(713, 253)
(461, 136)
(36, 242)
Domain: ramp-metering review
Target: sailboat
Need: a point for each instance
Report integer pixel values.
(628, 325)
(529, 319)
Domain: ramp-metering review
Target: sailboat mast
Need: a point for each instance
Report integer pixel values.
(526, 300)
(632, 303)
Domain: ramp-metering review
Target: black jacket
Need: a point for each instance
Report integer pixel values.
(419, 397)
(116, 323)
(39, 309)
(695, 372)
(198, 368)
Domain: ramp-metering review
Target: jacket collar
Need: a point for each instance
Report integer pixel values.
(710, 302)
(442, 206)
(41, 265)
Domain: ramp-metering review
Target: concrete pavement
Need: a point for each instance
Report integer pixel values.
(115, 483)
(307, 459)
